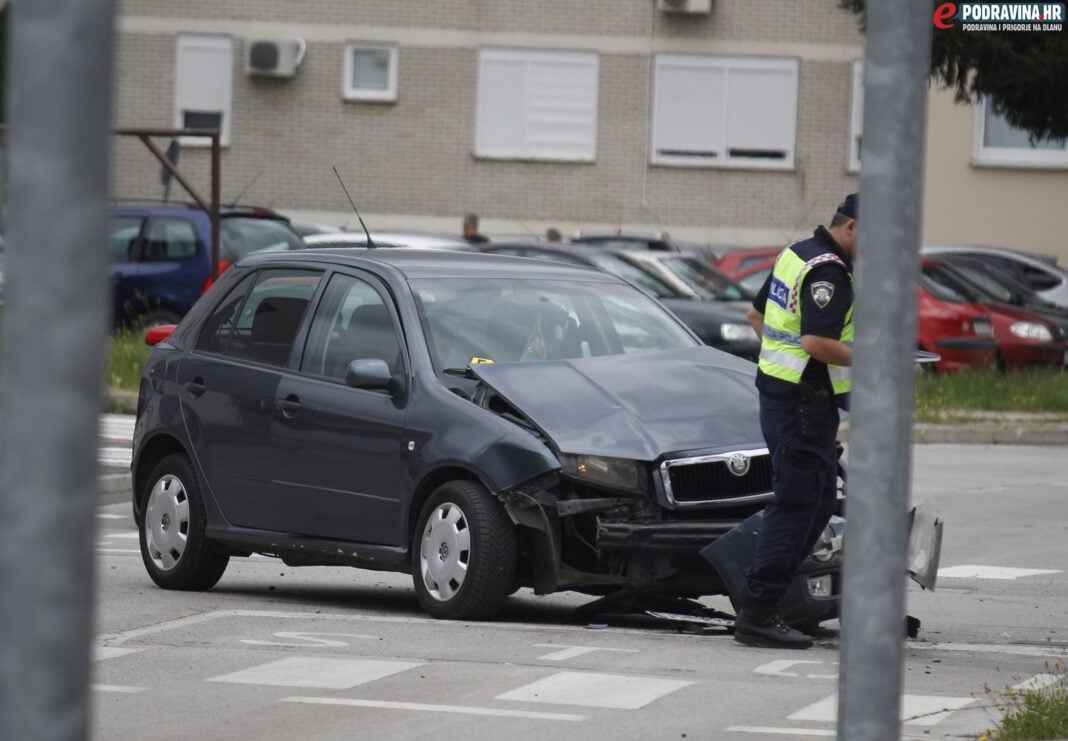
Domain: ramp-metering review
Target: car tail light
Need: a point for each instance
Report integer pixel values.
(156, 335)
(224, 265)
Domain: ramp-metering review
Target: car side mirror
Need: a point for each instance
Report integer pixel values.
(371, 374)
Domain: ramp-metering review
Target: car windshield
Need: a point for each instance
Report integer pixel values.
(472, 320)
(987, 281)
(634, 275)
(947, 286)
(755, 281)
(705, 280)
(243, 235)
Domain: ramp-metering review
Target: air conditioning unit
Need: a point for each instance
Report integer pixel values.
(274, 57)
(685, 6)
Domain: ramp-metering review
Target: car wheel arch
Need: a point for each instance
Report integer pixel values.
(152, 452)
(428, 484)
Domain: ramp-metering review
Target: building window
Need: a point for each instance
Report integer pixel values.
(856, 119)
(204, 86)
(998, 143)
(370, 72)
(724, 111)
(539, 105)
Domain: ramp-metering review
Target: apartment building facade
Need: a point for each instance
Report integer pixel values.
(731, 125)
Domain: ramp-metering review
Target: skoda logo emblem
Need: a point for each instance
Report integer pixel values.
(738, 464)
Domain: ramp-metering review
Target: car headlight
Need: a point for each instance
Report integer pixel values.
(1031, 331)
(734, 332)
(617, 473)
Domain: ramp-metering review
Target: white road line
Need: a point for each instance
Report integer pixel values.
(571, 652)
(117, 550)
(916, 710)
(618, 691)
(116, 688)
(778, 668)
(781, 731)
(103, 653)
(320, 673)
(107, 516)
(418, 706)
(114, 456)
(973, 571)
(1038, 682)
(132, 536)
(992, 648)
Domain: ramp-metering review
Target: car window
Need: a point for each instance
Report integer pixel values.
(986, 281)
(169, 239)
(943, 285)
(559, 257)
(514, 251)
(215, 334)
(518, 321)
(754, 281)
(634, 275)
(122, 237)
(1039, 279)
(266, 327)
(705, 280)
(352, 322)
(243, 235)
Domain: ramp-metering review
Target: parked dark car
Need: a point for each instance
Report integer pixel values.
(1040, 272)
(720, 324)
(660, 241)
(481, 422)
(161, 255)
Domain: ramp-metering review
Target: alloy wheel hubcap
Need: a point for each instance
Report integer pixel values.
(166, 523)
(445, 551)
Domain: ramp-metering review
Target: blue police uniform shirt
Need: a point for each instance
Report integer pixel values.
(826, 297)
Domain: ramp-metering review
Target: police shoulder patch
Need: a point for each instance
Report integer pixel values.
(822, 292)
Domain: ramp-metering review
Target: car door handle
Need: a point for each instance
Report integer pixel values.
(196, 387)
(289, 405)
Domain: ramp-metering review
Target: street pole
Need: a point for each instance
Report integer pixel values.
(896, 67)
(52, 359)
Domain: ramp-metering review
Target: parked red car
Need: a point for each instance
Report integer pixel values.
(741, 262)
(949, 324)
(1024, 339)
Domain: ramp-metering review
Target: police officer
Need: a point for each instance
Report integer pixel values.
(804, 314)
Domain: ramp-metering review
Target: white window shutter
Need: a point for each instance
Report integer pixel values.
(204, 79)
(688, 112)
(856, 119)
(762, 112)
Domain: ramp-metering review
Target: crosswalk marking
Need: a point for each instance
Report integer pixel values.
(425, 707)
(109, 456)
(571, 652)
(971, 571)
(116, 688)
(781, 731)
(916, 710)
(618, 691)
(103, 653)
(331, 674)
(117, 426)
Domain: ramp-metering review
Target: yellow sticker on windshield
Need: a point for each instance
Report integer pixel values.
(480, 361)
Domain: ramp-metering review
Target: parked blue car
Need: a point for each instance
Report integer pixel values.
(161, 255)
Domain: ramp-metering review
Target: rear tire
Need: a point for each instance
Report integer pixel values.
(174, 548)
(463, 553)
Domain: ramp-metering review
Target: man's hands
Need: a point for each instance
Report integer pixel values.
(756, 320)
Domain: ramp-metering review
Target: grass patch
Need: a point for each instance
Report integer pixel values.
(126, 356)
(938, 397)
(1032, 714)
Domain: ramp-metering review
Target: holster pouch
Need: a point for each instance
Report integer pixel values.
(812, 412)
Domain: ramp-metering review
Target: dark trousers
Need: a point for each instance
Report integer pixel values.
(804, 464)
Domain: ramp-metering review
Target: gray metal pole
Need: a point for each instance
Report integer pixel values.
(896, 66)
(52, 359)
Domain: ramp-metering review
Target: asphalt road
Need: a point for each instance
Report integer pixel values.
(275, 652)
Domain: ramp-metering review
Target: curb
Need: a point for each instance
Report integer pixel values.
(981, 434)
(114, 488)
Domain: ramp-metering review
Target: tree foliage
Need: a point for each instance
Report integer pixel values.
(1024, 74)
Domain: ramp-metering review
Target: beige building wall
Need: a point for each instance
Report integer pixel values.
(965, 203)
(410, 163)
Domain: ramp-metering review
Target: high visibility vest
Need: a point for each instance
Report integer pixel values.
(781, 354)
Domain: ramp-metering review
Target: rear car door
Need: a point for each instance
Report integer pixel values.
(229, 383)
(174, 267)
(337, 449)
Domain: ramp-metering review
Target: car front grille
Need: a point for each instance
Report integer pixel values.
(709, 480)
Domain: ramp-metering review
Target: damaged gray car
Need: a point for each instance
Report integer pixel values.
(477, 421)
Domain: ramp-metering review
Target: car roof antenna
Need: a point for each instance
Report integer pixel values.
(370, 242)
(248, 186)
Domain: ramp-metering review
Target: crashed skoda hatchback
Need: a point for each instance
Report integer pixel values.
(481, 422)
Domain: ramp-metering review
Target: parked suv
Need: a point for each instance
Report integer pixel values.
(161, 255)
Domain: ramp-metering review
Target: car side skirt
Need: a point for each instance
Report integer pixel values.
(296, 550)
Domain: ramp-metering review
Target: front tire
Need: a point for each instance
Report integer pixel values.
(464, 553)
(174, 548)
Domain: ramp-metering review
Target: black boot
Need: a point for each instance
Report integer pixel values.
(767, 631)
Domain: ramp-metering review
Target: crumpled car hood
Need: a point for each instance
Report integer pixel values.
(635, 406)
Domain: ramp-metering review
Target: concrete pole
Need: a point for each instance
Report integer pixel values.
(896, 67)
(52, 360)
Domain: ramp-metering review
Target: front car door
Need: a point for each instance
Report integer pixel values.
(337, 449)
(229, 385)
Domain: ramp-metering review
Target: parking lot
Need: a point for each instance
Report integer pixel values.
(320, 653)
